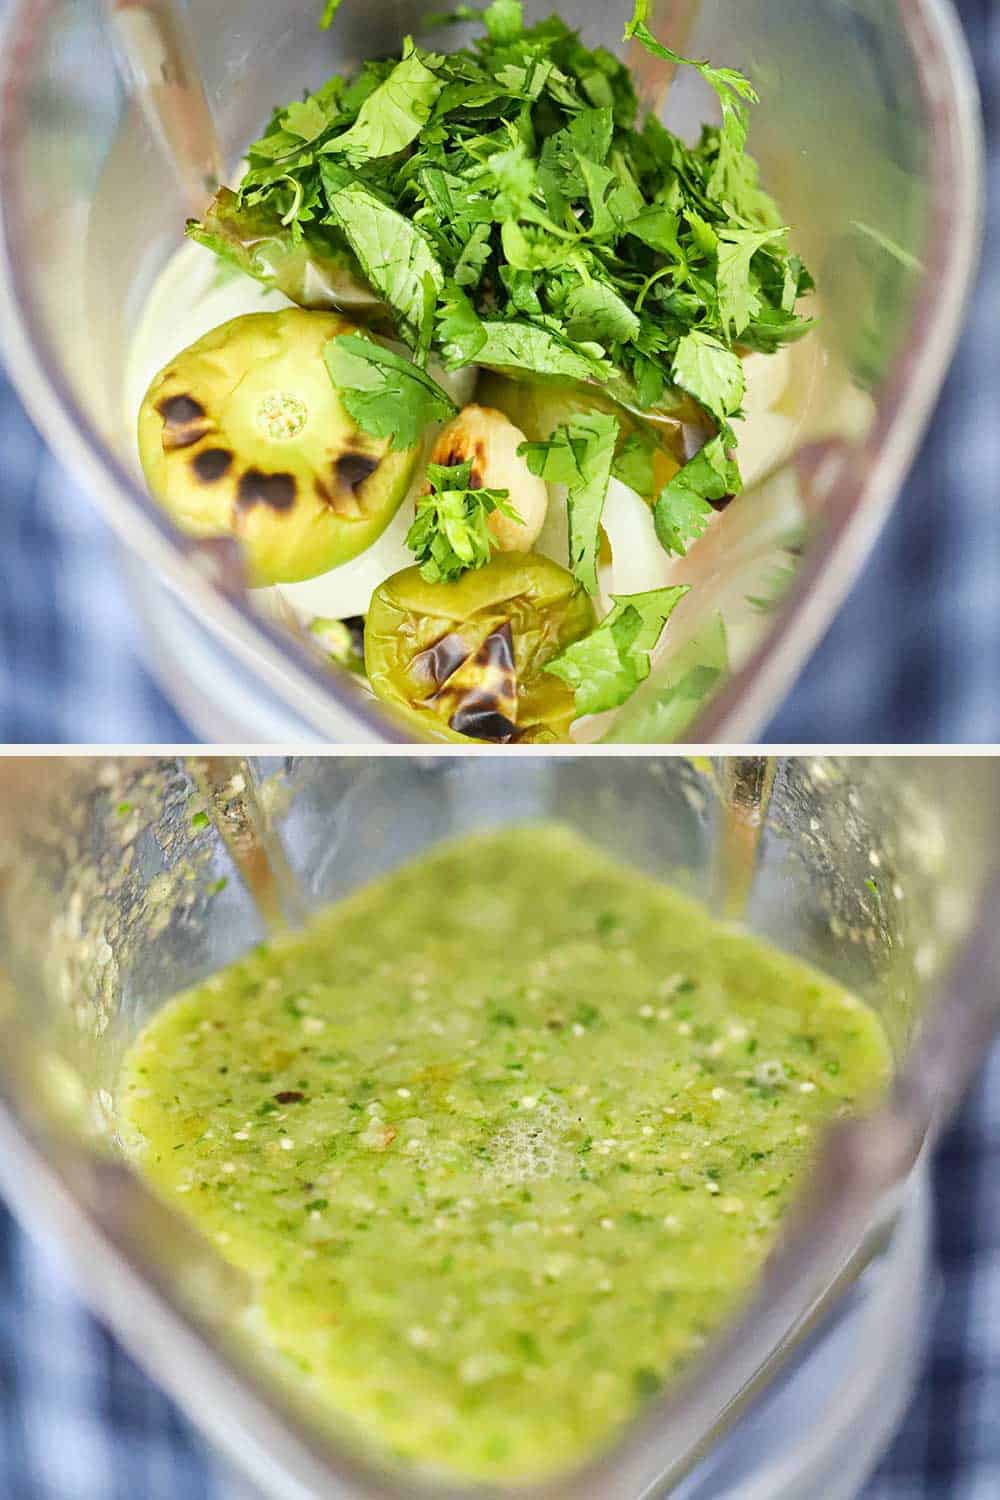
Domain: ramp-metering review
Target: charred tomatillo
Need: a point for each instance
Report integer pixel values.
(465, 660)
(244, 433)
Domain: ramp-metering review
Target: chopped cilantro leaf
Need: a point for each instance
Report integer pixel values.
(596, 311)
(386, 395)
(503, 20)
(524, 346)
(725, 81)
(460, 333)
(391, 251)
(709, 372)
(633, 463)
(523, 153)
(509, 206)
(680, 517)
(394, 113)
(739, 297)
(606, 667)
(579, 454)
(475, 253)
(454, 17)
(682, 511)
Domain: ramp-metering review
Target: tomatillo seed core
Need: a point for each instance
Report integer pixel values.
(281, 416)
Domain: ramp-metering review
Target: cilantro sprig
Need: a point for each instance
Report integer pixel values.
(449, 534)
(508, 206)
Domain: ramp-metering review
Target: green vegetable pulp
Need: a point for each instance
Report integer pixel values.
(500, 1140)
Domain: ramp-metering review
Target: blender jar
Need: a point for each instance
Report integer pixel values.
(110, 901)
(867, 134)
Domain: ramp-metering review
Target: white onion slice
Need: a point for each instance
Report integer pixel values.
(766, 377)
(553, 539)
(764, 436)
(638, 562)
(347, 590)
(763, 444)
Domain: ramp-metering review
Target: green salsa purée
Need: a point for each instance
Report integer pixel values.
(500, 1140)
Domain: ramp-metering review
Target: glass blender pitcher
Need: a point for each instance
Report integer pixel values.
(112, 899)
(867, 134)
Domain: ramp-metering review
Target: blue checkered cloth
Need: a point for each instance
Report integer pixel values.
(914, 655)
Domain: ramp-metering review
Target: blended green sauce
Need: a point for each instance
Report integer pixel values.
(500, 1140)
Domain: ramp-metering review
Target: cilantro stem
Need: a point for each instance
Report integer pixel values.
(298, 194)
(649, 281)
(535, 216)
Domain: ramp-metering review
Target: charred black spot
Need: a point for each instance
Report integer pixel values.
(457, 454)
(353, 469)
(479, 712)
(339, 499)
(185, 421)
(438, 662)
(276, 491)
(479, 718)
(497, 651)
(178, 411)
(478, 465)
(211, 464)
(356, 625)
(290, 1096)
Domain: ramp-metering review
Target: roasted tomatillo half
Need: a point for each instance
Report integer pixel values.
(466, 660)
(244, 433)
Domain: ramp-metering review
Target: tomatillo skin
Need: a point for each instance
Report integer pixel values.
(466, 660)
(314, 268)
(244, 434)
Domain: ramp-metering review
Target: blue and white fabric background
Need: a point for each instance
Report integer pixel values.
(914, 656)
